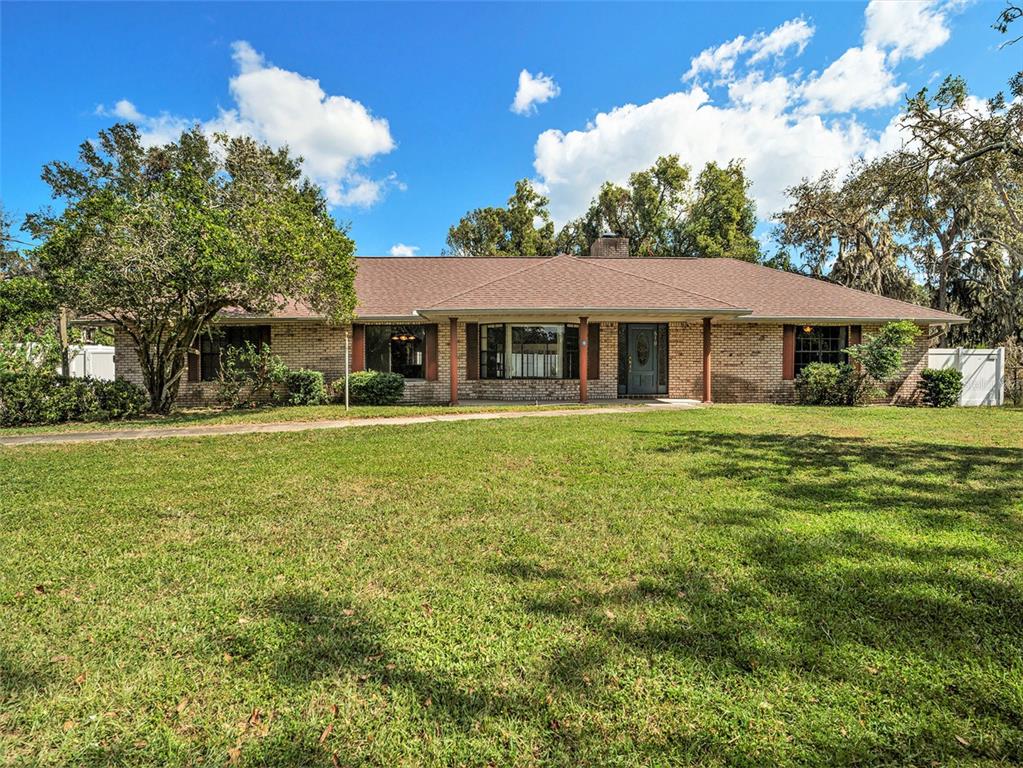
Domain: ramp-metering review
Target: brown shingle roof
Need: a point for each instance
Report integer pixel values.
(393, 287)
(397, 287)
(773, 293)
(567, 283)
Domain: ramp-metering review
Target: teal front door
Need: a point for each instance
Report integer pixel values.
(642, 360)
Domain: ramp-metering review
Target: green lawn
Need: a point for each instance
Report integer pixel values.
(725, 586)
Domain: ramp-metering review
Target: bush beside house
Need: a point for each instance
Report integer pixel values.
(27, 398)
(374, 387)
(305, 387)
(251, 375)
(941, 387)
(826, 384)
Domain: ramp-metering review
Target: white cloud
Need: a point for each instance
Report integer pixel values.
(785, 126)
(858, 79)
(721, 60)
(400, 249)
(756, 93)
(335, 135)
(533, 90)
(910, 28)
(780, 148)
(123, 109)
(793, 33)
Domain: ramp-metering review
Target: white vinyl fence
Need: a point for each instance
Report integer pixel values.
(92, 360)
(983, 372)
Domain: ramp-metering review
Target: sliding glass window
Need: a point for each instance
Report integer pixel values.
(524, 351)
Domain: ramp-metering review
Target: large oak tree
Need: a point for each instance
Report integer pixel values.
(522, 228)
(158, 240)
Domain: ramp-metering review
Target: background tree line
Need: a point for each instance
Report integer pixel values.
(938, 222)
(662, 211)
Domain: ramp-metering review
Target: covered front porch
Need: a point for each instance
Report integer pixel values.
(564, 358)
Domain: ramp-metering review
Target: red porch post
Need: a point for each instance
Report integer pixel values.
(706, 360)
(453, 359)
(584, 358)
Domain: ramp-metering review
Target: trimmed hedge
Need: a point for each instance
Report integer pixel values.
(33, 398)
(374, 388)
(305, 387)
(941, 387)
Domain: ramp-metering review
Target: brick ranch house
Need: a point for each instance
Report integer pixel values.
(568, 328)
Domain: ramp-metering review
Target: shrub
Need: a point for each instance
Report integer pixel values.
(24, 399)
(75, 400)
(120, 399)
(941, 387)
(39, 398)
(256, 371)
(828, 384)
(820, 384)
(305, 387)
(375, 387)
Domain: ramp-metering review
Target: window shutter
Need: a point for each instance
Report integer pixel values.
(358, 347)
(264, 336)
(431, 352)
(855, 334)
(472, 350)
(193, 366)
(788, 352)
(593, 352)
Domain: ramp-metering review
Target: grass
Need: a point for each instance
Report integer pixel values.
(729, 586)
(197, 417)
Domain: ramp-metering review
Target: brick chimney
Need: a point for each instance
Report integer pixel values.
(610, 247)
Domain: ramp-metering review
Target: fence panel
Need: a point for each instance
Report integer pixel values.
(93, 360)
(983, 372)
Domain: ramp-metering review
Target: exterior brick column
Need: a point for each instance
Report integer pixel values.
(453, 364)
(706, 361)
(584, 357)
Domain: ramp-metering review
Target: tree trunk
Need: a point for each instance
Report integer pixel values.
(65, 359)
(943, 263)
(163, 356)
(162, 377)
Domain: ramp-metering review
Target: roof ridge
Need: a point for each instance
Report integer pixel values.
(489, 282)
(667, 285)
(438, 257)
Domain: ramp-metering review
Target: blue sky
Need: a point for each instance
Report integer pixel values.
(404, 111)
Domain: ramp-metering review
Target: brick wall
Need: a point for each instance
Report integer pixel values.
(746, 365)
(126, 362)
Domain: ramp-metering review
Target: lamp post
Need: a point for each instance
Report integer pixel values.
(348, 357)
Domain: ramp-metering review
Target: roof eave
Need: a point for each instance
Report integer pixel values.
(951, 320)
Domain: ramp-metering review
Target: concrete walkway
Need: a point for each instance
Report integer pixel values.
(212, 430)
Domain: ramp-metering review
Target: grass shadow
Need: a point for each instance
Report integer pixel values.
(807, 472)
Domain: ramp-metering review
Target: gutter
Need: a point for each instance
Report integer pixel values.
(796, 319)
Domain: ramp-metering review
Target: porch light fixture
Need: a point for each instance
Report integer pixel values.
(807, 329)
(403, 337)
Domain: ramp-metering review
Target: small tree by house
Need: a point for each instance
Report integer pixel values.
(158, 240)
(881, 355)
(879, 361)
